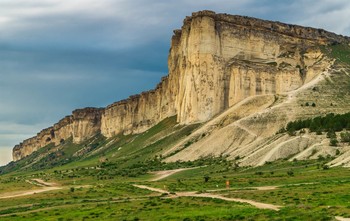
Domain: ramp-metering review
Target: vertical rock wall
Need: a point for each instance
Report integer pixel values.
(215, 61)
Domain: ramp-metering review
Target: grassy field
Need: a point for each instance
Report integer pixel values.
(305, 190)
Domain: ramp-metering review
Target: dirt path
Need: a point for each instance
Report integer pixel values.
(165, 173)
(251, 202)
(214, 196)
(274, 150)
(247, 188)
(342, 218)
(30, 192)
(151, 188)
(42, 182)
(237, 124)
(38, 182)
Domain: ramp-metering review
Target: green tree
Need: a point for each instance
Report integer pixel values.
(331, 134)
(333, 142)
(345, 137)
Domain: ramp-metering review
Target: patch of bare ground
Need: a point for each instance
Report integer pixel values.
(213, 196)
(341, 218)
(166, 173)
(38, 182)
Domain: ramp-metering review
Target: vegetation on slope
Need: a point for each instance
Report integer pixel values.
(304, 189)
(127, 155)
(330, 122)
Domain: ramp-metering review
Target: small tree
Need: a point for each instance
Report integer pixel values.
(318, 131)
(345, 137)
(291, 132)
(206, 178)
(333, 142)
(337, 152)
(331, 134)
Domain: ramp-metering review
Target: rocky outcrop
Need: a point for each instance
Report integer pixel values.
(215, 61)
(81, 125)
(222, 59)
(139, 112)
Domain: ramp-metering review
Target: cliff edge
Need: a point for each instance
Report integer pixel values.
(215, 61)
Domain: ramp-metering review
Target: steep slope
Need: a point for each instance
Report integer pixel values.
(216, 62)
(252, 138)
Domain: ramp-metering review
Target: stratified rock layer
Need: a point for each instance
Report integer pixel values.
(215, 61)
(81, 125)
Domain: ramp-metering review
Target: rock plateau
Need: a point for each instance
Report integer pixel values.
(219, 65)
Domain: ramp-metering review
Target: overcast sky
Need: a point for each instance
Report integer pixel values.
(59, 55)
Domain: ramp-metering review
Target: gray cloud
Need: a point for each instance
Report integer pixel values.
(58, 55)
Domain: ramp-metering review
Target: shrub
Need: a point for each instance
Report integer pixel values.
(318, 131)
(325, 167)
(331, 134)
(291, 132)
(333, 142)
(337, 152)
(290, 173)
(206, 178)
(345, 137)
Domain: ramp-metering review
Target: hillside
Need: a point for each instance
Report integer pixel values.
(251, 123)
(233, 83)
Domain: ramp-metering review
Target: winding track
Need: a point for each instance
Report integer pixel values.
(213, 196)
(38, 182)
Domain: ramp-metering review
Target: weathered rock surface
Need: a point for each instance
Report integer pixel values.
(81, 125)
(215, 61)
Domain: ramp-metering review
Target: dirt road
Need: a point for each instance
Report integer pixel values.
(214, 196)
(38, 182)
(165, 173)
(342, 218)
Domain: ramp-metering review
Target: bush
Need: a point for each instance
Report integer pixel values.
(331, 134)
(291, 132)
(333, 142)
(206, 178)
(345, 137)
(325, 167)
(337, 152)
(318, 131)
(330, 123)
(290, 173)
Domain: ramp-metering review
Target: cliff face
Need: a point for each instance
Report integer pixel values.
(139, 112)
(81, 125)
(215, 61)
(222, 59)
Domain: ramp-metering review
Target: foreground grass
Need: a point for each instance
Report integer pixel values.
(308, 193)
